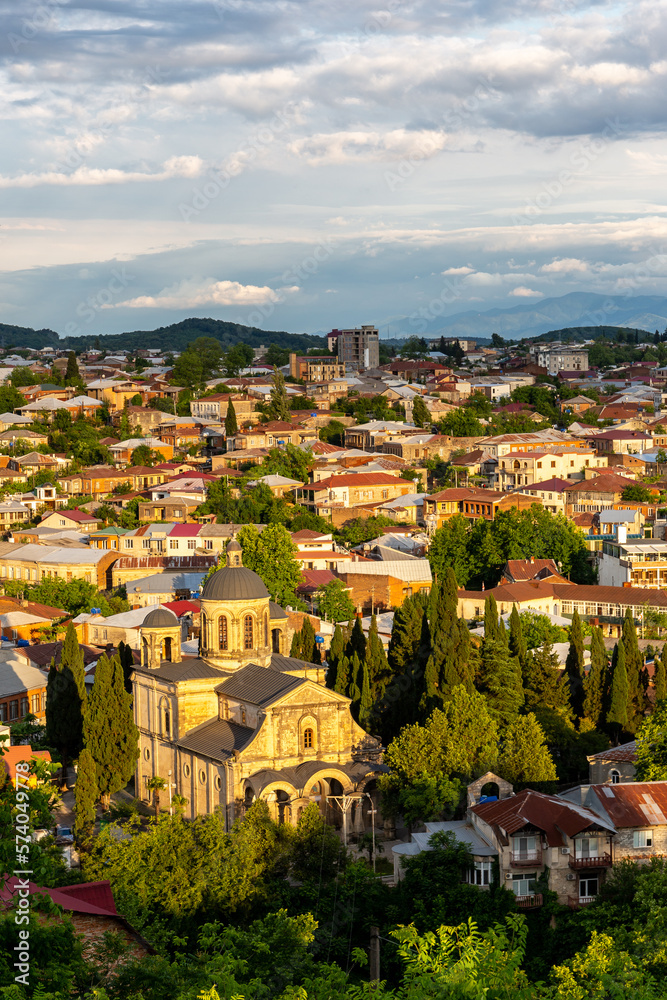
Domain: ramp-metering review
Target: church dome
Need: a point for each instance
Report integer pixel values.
(234, 583)
(160, 618)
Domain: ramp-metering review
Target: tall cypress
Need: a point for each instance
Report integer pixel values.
(355, 681)
(617, 715)
(127, 663)
(85, 797)
(376, 662)
(109, 730)
(405, 634)
(660, 674)
(231, 425)
(357, 641)
(66, 699)
(516, 641)
(594, 682)
(334, 656)
(574, 665)
(304, 645)
(448, 661)
(499, 675)
(491, 626)
(365, 699)
(342, 683)
(634, 664)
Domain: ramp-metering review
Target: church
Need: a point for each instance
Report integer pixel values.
(243, 720)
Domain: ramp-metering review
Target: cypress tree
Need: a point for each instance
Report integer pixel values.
(72, 373)
(365, 699)
(491, 624)
(574, 665)
(304, 646)
(342, 683)
(127, 663)
(617, 716)
(357, 641)
(501, 681)
(634, 665)
(660, 675)
(231, 425)
(405, 634)
(85, 797)
(376, 662)
(594, 682)
(546, 685)
(355, 682)
(109, 730)
(66, 699)
(334, 656)
(516, 642)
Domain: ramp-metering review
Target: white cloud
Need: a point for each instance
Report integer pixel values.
(85, 176)
(391, 146)
(190, 295)
(525, 293)
(565, 265)
(458, 270)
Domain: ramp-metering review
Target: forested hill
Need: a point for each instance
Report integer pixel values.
(166, 338)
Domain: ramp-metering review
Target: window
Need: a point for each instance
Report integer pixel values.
(525, 848)
(173, 543)
(243, 715)
(222, 631)
(208, 544)
(587, 847)
(186, 770)
(25, 707)
(481, 873)
(147, 543)
(615, 777)
(588, 888)
(247, 632)
(127, 542)
(34, 704)
(642, 838)
(3, 711)
(192, 543)
(308, 739)
(523, 885)
(43, 701)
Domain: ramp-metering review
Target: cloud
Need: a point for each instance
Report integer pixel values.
(189, 295)
(565, 265)
(345, 147)
(525, 293)
(458, 270)
(176, 166)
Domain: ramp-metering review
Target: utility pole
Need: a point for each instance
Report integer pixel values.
(375, 955)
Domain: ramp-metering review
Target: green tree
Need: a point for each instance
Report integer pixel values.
(66, 699)
(271, 554)
(85, 798)
(448, 662)
(126, 657)
(231, 426)
(637, 494)
(377, 667)
(617, 715)
(198, 363)
(110, 734)
(637, 676)
(72, 373)
(304, 644)
(517, 644)
(574, 665)
(278, 405)
(316, 851)
(156, 784)
(365, 706)
(660, 675)
(357, 640)
(651, 745)
(333, 602)
(594, 682)
(420, 414)
(524, 756)
(143, 455)
(335, 654)
(499, 674)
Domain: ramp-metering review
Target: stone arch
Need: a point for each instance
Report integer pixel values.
(280, 796)
(164, 717)
(276, 640)
(505, 789)
(308, 731)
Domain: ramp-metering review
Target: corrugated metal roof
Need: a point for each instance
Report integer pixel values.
(626, 753)
(190, 669)
(410, 571)
(634, 804)
(532, 810)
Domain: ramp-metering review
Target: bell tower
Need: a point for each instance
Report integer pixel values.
(160, 639)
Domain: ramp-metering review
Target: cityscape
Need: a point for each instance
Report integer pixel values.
(333, 501)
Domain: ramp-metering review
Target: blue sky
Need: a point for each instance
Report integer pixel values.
(303, 165)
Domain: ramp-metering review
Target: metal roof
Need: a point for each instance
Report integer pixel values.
(217, 739)
(410, 571)
(258, 685)
(633, 804)
(190, 669)
(556, 818)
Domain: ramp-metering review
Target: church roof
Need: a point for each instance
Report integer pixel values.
(160, 618)
(259, 685)
(286, 664)
(275, 611)
(217, 739)
(190, 669)
(234, 583)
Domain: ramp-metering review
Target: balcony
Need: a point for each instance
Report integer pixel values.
(599, 861)
(529, 902)
(576, 902)
(526, 859)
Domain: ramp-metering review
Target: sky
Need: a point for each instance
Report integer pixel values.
(307, 165)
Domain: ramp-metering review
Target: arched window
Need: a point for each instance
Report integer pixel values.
(222, 631)
(615, 777)
(308, 739)
(144, 651)
(167, 723)
(266, 630)
(167, 649)
(247, 632)
(202, 632)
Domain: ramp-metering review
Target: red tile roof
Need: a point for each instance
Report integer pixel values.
(18, 754)
(359, 479)
(185, 531)
(606, 483)
(183, 607)
(527, 569)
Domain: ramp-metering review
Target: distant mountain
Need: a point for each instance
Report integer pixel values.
(587, 309)
(23, 336)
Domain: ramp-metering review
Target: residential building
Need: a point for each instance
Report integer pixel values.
(214, 408)
(521, 469)
(352, 489)
(614, 765)
(164, 587)
(638, 562)
(471, 503)
(33, 563)
(316, 369)
(122, 452)
(621, 442)
(76, 520)
(576, 404)
(22, 689)
(560, 358)
(275, 434)
(372, 435)
(595, 494)
(383, 584)
(550, 493)
(358, 348)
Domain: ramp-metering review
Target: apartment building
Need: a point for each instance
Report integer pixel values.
(621, 442)
(352, 490)
(596, 494)
(471, 503)
(214, 408)
(358, 348)
(33, 563)
(316, 369)
(518, 469)
(638, 562)
(560, 358)
(275, 434)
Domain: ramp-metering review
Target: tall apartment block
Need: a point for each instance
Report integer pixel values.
(359, 348)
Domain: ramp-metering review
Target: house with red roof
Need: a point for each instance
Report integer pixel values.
(76, 520)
